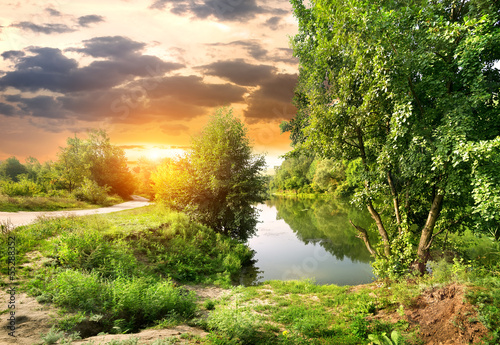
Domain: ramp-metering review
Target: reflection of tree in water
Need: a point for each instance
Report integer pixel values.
(325, 222)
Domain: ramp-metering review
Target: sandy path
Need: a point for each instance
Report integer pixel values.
(23, 218)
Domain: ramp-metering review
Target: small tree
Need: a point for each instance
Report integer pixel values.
(219, 180)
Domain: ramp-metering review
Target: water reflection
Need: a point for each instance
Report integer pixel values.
(309, 238)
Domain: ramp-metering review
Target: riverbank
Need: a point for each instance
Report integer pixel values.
(153, 273)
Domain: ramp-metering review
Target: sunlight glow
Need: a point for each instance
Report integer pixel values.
(155, 154)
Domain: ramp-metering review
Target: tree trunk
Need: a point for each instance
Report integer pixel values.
(425, 238)
(371, 209)
(364, 236)
(381, 229)
(395, 199)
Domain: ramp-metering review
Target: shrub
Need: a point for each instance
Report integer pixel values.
(90, 191)
(235, 322)
(24, 187)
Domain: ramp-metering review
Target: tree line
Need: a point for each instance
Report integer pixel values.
(88, 169)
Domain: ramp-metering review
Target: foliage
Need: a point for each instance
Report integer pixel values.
(108, 164)
(218, 181)
(143, 171)
(93, 264)
(73, 163)
(11, 168)
(96, 159)
(311, 174)
(23, 187)
(90, 191)
(409, 91)
(383, 339)
(235, 323)
(52, 336)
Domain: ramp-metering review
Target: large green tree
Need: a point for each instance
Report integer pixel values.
(219, 181)
(410, 89)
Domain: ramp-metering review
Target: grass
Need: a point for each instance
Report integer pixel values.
(40, 203)
(125, 267)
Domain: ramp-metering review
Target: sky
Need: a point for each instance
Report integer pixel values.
(148, 72)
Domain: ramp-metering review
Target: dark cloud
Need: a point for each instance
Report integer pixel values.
(50, 70)
(110, 47)
(89, 19)
(286, 55)
(273, 100)
(223, 10)
(273, 22)
(193, 90)
(12, 54)
(253, 48)
(42, 106)
(239, 72)
(52, 12)
(171, 98)
(7, 109)
(47, 60)
(44, 28)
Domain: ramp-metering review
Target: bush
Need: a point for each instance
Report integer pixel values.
(88, 249)
(140, 301)
(90, 191)
(235, 322)
(24, 187)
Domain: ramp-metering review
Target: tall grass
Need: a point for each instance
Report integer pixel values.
(123, 266)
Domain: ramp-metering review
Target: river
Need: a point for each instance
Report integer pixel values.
(309, 239)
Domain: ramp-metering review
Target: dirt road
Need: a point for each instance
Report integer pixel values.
(23, 218)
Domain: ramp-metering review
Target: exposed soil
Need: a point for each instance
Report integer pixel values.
(33, 319)
(147, 336)
(443, 317)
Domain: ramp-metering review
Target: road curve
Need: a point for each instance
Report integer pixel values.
(24, 218)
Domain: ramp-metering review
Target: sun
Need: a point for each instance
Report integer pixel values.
(154, 154)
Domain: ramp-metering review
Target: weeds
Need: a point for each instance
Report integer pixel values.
(52, 336)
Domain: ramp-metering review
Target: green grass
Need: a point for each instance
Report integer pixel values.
(122, 266)
(40, 203)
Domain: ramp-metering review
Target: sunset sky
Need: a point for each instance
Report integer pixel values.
(149, 72)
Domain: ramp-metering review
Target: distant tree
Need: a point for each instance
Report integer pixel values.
(143, 170)
(73, 164)
(219, 180)
(108, 164)
(11, 168)
(96, 159)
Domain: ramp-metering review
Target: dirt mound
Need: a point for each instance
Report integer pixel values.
(443, 317)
